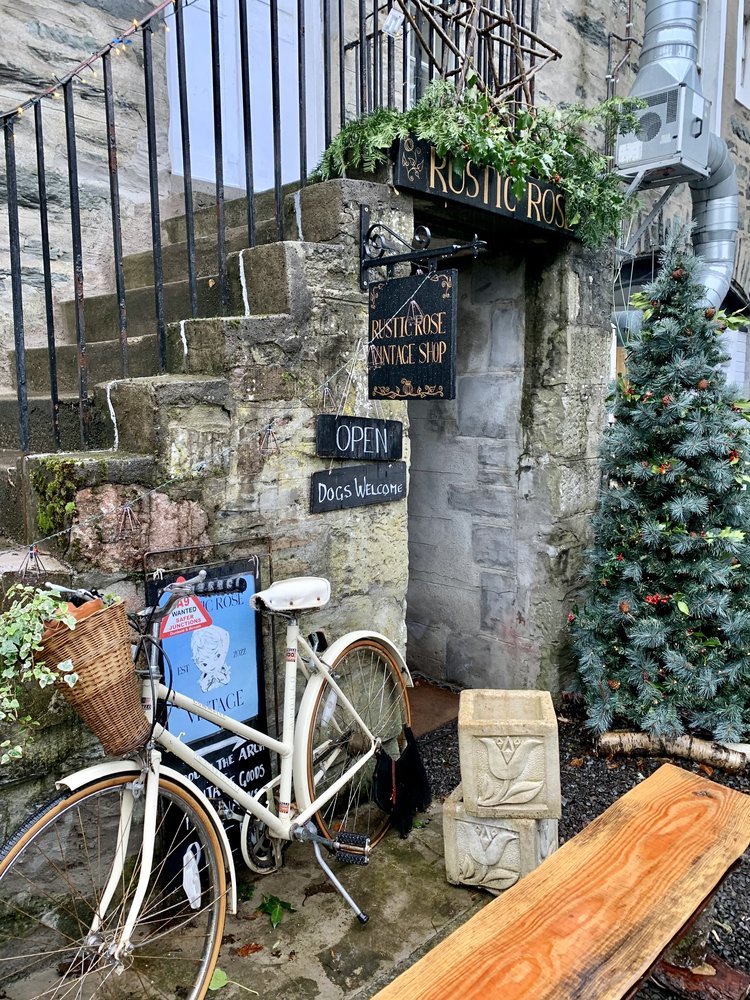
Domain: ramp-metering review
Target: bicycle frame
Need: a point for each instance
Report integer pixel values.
(280, 825)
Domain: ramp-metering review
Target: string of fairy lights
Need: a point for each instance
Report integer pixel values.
(120, 44)
(269, 442)
(324, 397)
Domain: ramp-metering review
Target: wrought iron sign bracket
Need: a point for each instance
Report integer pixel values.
(378, 251)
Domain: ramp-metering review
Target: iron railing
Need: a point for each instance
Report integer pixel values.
(345, 65)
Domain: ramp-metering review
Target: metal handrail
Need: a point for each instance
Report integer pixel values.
(88, 63)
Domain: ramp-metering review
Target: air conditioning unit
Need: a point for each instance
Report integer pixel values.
(671, 142)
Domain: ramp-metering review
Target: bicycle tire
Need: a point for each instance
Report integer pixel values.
(369, 676)
(53, 871)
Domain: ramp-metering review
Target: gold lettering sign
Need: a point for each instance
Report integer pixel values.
(412, 337)
(419, 167)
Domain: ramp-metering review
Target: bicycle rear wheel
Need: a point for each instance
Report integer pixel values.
(370, 678)
(54, 872)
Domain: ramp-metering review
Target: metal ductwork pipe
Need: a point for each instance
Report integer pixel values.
(670, 46)
(668, 59)
(716, 218)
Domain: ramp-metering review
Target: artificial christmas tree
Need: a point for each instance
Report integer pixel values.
(663, 641)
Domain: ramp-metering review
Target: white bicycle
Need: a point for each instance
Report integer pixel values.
(119, 887)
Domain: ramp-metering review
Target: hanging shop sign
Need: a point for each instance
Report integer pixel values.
(337, 436)
(419, 167)
(357, 486)
(412, 337)
(212, 645)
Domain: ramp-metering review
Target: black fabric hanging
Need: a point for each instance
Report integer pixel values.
(401, 787)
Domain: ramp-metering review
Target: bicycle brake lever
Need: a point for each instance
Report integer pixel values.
(59, 589)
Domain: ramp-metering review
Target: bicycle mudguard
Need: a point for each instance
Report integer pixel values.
(336, 648)
(96, 772)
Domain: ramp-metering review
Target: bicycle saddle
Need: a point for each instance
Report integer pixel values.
(299, 593)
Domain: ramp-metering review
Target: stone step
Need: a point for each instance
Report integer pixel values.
(73, 472)
(102, 317)
(139, 267)
(157, 416)
(103, 359)
(15, 568)
(287, 277)
(235, 216)
(41, 437)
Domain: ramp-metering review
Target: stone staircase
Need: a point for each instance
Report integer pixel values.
(295, 315)
(102, 339)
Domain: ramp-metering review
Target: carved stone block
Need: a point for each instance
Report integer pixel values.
(509, 753)
(492, 853)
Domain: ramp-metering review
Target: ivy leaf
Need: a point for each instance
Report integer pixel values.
(275, 907)
(219, 980)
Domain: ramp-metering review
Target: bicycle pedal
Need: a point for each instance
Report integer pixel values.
(350, 839)
(348, 858)
(359, 846)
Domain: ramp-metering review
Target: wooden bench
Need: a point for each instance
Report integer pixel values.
(596, 916)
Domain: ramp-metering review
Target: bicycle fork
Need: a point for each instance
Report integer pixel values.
(120, 947)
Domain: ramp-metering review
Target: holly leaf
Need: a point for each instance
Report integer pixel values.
(245, 891)
(683, 607)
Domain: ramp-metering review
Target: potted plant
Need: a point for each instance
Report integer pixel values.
(29, 614)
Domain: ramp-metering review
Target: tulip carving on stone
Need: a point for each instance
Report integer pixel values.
(489, 856)
(514, 770)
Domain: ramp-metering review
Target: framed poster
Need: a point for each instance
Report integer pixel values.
(212, 648)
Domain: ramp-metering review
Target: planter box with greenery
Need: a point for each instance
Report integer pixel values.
(553, 145)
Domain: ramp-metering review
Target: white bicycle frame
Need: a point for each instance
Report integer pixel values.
(279, 825)
(290, 750)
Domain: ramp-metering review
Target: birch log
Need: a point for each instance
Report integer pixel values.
(688, 747)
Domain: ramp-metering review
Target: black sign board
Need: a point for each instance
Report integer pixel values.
(357, 486)
(412, 337)
(358, 437)
(419, 167)
(214, 647)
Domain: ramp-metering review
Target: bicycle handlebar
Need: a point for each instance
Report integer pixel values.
(226, 585)
(197, 585)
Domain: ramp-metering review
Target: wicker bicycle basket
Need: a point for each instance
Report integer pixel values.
(107, 693)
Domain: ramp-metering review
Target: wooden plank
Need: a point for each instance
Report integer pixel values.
(589, 922)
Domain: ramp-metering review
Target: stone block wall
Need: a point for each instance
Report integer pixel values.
(241, 396)
(504, 478)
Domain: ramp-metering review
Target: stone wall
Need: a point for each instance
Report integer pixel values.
(504, 478)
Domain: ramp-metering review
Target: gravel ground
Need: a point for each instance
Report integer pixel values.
(589, 785)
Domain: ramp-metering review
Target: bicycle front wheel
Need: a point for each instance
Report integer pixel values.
(370, 678)
(57, 936)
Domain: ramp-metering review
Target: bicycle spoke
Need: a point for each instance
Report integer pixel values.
(371, 681)
(60, 874)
